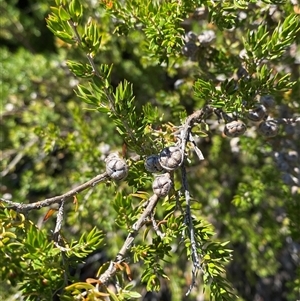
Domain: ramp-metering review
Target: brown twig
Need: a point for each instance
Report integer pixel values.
(58, 225)
(156, 227)
(112, 269)
(18, 157)
(107, 93)
(20, 207)
(184, 133)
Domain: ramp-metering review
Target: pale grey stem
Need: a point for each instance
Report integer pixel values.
(58, 225)
(185, 132)
(57, 237)
(155, 226)
(18, 157)
(288, 120)
(112, 269)
(137, 226)
(106, 91)
(188, 220)
(20, 207)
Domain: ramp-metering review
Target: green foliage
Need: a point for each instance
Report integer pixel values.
(37, 262)
(86, 244)
(158, 21)
(261, 78)
(115, 77)
(272, 46)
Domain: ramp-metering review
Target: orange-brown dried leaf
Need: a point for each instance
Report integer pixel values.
(128, 271)
(75, 201)
(92, 281)
(49, 213)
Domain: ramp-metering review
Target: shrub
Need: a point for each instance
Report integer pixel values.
(150, 146)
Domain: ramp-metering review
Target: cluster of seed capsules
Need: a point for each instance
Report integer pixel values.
(169, 159)
(286, 157)
(194, 42)
(267, 126)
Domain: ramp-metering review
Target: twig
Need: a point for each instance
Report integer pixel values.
(93, 65)
(185, 131)
(59, 220)
(288, 120)
(156, 227)
(18, 157)
(112, 269)
(196, 149)
(57, 238)
(106, 91)
(189, 222)
(19, 207)
(137, 226)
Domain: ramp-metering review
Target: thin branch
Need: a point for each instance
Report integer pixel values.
(79, 41)
(288, 120)
(137, 226)
(112, 269)
(106, 91)
(57, 240)
(189, 222)
(184, 133)
(58, 225)
(93, 65)
(20, 207)
(18, 157)
(156, 227)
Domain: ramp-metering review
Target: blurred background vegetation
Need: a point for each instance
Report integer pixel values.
(51, 142)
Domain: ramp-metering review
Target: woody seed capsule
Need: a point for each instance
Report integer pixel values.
(152, 164)
(234, 128)
(267, 100)
(258, 113)
(162, 185)
(116, 168)
(268, 128)
(190, 49)
(170, 158)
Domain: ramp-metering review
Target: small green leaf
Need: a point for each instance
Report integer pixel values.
(76, 10)
(134, 295)
(79, 286)
(63, 14)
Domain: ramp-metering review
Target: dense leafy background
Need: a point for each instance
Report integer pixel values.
(52, 141)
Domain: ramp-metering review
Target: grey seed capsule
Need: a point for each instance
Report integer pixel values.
(207, 37)
(242, 72)
(199, 12)
(268, 128)
(290, 179)
(170, 158)
(152, 164)
(289, 129)
(190, 49)
(258, 113)
(292, 156)
(283, 165)
(162, 185)
(235, 128)
(191, 36)
(267, 100)
(116, 168)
